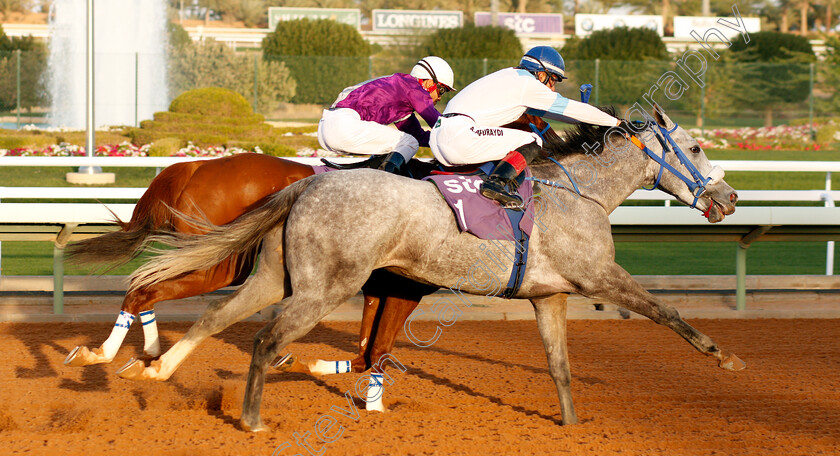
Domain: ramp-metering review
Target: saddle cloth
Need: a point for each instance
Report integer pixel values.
(484, 218)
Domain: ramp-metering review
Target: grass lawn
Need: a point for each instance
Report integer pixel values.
(35, 258)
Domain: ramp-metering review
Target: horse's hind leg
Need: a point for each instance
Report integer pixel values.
(298, 314)
(551, 320)
(619, 288)
(142, 303)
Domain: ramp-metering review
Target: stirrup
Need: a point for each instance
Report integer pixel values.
(371, 162)
(507, 200)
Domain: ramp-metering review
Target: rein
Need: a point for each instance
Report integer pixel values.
(696, 182)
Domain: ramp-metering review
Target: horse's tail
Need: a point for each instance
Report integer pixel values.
(150, 213)
(190, 253)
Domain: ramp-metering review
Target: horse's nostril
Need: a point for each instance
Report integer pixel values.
(733, 197)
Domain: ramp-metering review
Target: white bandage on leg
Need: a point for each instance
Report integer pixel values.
(321, 367)
(112, 344)
(376, 389)
(151, 345)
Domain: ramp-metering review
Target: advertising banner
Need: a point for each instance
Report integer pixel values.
(347, 16)
(530, 24)
(683, 25)
(409, 20)
(588, 23)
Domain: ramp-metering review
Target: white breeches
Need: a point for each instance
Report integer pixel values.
(342, 130)
(458, 140)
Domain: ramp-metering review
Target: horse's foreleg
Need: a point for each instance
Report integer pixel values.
(551, 320)
(261, 290)
(619, 288)
(142, 303)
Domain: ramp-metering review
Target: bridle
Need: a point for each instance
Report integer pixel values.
(696, 183)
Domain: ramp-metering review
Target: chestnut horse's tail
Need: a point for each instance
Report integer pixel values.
(150, 213)
(191, 253)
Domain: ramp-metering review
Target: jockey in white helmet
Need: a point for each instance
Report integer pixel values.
(357, 122)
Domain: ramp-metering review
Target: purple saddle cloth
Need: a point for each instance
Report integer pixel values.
(483, 217)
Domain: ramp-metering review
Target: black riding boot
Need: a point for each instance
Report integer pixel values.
(393, 163)
(501, 184)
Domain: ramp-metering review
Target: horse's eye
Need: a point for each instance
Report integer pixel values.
(695, 149)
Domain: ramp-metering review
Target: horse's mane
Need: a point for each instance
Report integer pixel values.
(571, 141)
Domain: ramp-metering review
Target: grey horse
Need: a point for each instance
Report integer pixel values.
(323, 236)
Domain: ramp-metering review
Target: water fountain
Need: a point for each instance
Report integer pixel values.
(130, 61)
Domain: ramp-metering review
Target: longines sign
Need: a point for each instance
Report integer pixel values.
(588, 23)
(348, 16)
(408, 20)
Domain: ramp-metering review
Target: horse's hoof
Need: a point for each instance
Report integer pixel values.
(82, 356)
(258, 427)
(732, 363)
(284, 363)
(134, 369)
(78, 357)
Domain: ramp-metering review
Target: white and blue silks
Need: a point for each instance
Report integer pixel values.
(470, 130)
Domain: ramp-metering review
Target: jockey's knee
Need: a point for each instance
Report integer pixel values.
(407, 146)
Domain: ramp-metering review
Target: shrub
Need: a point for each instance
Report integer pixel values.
(33, 64)
(211, 101)
(323, 57)
(165, 147)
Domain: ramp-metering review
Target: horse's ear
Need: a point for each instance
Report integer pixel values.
(661, 118)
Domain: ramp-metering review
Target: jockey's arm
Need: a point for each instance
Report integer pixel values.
(412, 126)
(562, 108)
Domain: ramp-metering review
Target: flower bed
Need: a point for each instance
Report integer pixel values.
(121, 150)
(783, 137)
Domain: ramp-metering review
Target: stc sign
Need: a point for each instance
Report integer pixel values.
(525, 24)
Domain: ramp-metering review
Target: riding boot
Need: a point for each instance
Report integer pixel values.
(393, 163)
(501, 184)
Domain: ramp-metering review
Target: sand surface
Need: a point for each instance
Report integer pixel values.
(482, 389)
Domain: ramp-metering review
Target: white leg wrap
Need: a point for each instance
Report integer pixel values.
(376, 389)
(151, 345)
(321, 367)
(115, 340)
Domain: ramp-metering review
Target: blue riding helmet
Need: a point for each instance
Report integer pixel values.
(544, 58)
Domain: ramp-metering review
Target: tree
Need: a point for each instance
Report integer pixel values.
(33, 64)
(212, 64)
(323, 56)
(473, 51)
(625, 72)
(773, 71)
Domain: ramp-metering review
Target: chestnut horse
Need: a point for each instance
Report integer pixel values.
(220, 190)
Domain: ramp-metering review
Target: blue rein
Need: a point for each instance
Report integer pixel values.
(696, 183)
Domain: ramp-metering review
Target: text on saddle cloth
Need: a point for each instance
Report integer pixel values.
(480, 216)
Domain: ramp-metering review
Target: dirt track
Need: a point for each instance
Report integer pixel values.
(482, 389)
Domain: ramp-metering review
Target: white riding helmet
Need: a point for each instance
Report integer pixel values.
(436, 69)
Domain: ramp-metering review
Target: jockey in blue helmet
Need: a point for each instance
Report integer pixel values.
(470, 130)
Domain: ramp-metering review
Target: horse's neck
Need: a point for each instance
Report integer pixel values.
(607, 178)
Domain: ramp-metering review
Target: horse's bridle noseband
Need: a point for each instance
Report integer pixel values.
(697, 182)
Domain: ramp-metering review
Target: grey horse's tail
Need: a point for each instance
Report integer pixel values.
(194, 252)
